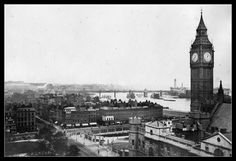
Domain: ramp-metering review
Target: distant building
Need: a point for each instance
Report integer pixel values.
(145, 93)
(68, 110)
(25, 119)
(121, 114)
(227, 91)
(130, 95)
(155, 95)
(175, 91)
(77, 118)
(107, 118)
(10, 125)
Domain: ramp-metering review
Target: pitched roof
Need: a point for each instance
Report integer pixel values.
(218, 133)
(228, 136)
(201, 25)
(223, 117)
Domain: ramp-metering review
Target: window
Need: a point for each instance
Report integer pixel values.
(151, 132)
(150, 142)
(218, 152)
(143, 144)
(218, 139)
(151, 153)
(132, 142)
(206, 148)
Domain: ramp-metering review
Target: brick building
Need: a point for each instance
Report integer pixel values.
(25, 119)
(118, 113)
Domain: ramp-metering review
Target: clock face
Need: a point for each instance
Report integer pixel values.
(194, 57)
(207, 57)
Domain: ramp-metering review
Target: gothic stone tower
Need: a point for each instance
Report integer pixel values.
(134, 122)
(201, 64)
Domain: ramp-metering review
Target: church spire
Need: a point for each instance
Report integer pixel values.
(220, 90)
(201, 35)
(220, 93)
(201, 25)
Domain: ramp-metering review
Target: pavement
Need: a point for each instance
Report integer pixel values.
(87, 147)
(100, 150)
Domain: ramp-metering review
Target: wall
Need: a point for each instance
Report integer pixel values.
(164, 149)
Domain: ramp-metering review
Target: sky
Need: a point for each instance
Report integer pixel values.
(140, 46)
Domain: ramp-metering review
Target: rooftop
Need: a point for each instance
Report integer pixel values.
(223, 117)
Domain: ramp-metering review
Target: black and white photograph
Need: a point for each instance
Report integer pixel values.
(117, 80)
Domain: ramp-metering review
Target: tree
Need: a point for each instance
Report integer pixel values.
(96, 99)
(88, 99)
(73, 150)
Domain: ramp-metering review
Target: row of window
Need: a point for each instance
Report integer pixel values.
(25, 124)
(139, 143)
(25, 114)
(82, 116)
(82, 120)
(27, 129)
(25, 119)
(25, 110)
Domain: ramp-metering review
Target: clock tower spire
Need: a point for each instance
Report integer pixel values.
(201, 64)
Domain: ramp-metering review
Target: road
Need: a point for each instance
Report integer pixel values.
(85, 152)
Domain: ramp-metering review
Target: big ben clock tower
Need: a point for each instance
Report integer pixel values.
(201, 64)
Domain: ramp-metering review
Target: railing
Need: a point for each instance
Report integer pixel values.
(114, 132)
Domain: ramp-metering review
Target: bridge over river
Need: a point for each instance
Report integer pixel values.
(145, 92)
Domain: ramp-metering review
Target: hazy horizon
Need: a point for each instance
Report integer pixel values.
(139, 46)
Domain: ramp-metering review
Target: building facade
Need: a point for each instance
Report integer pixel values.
(121, 114)
(157, 139)
(146, 139)
(218, 145)
(25, 120)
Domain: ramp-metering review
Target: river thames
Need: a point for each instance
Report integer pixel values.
(180, 104)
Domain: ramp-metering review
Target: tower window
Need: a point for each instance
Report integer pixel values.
(132, 142)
